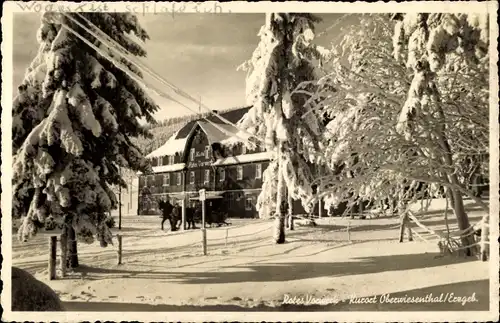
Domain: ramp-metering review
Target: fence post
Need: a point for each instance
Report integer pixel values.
(320, 206)
(348, 231)
(227, 234)
(183, 221)
(119, 237)
(203, 229)
(52, 257)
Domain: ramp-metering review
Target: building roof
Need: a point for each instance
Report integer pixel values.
(171, 147)
(233, 116)
(216, 131)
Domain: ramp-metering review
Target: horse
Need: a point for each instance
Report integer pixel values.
(177, 216)
(166, 209)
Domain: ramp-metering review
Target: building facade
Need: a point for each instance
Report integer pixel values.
(206, 154)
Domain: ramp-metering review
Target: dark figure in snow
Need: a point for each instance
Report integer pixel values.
(166, 211)
(215, 214)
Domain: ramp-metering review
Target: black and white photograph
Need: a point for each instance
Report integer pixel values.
(194, 161)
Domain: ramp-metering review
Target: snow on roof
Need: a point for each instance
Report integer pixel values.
(167, 168)
(248, 158)
(217, 132)
(239, 137)
(171, 147)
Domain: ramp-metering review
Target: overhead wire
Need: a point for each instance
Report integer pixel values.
(142, 66)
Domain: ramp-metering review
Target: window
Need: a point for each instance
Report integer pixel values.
(191, 177)
(248, 204)
(262, 148)
(207, 152)
(243, 149)
(258, 171)
(222, 174)
(166, 180)
(207, 176)
(179, 179)
(145, 181)
(192, 154)
(160, 161)
(239, 173)
(171, 159)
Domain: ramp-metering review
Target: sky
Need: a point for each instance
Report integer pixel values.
(199, 53)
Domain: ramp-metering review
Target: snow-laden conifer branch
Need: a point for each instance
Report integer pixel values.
(73, 117)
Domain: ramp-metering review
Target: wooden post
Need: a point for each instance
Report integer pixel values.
(348, 231)
(183, 220)
(119, 202)
(52, 257)
(485, 232)
(320, 206)
(227, 234)
(119, 237)
(203, 229)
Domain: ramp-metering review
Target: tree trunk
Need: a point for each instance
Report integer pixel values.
(279, 228)
(72, 257)
(290, 212)
(463, 221)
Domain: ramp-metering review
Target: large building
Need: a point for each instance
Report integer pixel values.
(199, 156)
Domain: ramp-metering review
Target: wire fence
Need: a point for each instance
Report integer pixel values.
(148, 244)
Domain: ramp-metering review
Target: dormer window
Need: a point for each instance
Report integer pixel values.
(243, 149)
(207, 152)
(160, 161)
(171, 159)
(191, 154)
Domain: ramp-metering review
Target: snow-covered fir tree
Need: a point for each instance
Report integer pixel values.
(283, 60)
(73, 120)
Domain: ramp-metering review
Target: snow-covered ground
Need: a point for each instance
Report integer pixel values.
(164, 271)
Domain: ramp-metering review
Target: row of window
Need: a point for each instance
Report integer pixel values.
(206, 179)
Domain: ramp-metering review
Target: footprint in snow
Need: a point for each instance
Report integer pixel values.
(209, 298)
(236, 298)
